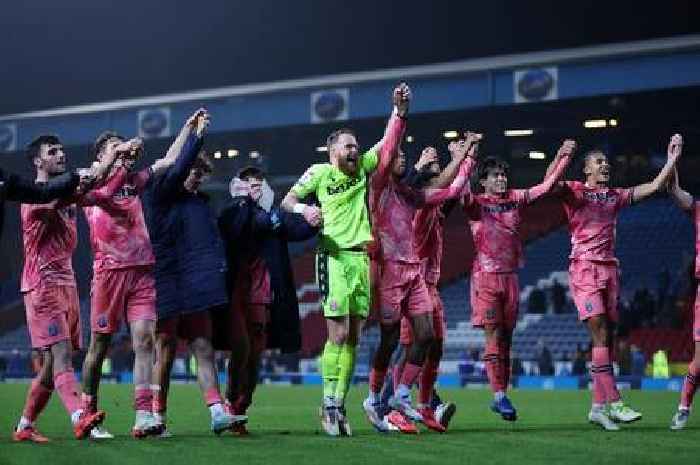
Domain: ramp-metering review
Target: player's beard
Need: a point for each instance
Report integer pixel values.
(349, 164)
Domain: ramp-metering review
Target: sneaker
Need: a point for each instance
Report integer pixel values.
(372, 411)
(161, 423)
(403, 405)
(238, 425)
(401, 422)
(618, 411)
(680, 419)
(29, 434)
(87, 422)
(343, 424)
(391, 427)
(444, 413)
(221, 422)
(600, 417)
(505, 409)
(99, 433)
(146, 425)
(430, 421)
(329, 420)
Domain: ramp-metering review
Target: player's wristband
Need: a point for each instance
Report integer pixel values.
(299, 208)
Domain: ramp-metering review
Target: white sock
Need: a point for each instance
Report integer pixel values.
(23, 423)
(216, 409)
(498, 395)
(597, 407)
(374, 397)
(403, 391)
(159, 417)
(75, 416)
(329, 401)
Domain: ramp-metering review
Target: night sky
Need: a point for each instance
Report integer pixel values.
(57, 53)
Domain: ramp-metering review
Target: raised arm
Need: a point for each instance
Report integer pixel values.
(682, 198)
(469, 145)
(389, 145)
(553, 164)
(178, 144)
(675, 148)
(174, 176)
(435, 196)
(554, 175)
(401, 98)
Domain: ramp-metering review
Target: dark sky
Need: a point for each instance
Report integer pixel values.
(57, 53)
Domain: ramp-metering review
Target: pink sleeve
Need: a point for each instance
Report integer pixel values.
(624, 197)
(105, 192)
(435, 196)
(545, 186)
(522, 196)
(389, 145)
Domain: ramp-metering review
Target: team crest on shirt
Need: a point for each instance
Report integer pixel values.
(102, 322)
(589, 307)
(53, 329)
(500, 208)
(125, 192)
(600, 197)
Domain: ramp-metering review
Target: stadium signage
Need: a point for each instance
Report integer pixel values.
(8, 137)
(535, 84)
(154, 122)
(329, 105)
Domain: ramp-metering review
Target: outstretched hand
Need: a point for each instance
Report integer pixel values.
(199, 122)
(428, 155)
(401, 99)
(675, 147)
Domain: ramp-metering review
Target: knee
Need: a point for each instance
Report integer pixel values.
(62, 362)
(202, 349)
(99, 345)
(259, 338)
(599, 333)
(143, 342)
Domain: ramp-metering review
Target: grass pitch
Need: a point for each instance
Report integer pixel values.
(552, 429)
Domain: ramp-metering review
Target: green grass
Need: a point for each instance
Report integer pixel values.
(552, 429)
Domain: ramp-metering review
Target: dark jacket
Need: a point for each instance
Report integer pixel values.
(15, 188)
(190, 265)
(246, 228)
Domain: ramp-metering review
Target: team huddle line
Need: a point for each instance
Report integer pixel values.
(168, 267)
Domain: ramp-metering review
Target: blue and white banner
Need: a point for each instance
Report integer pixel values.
(536, 84)
(154, 122)
(8, 137)
(330, 105)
